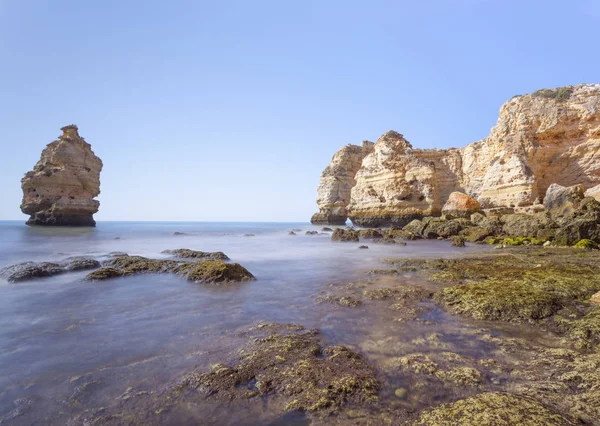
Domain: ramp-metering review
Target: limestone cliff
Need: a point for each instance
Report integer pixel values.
(337, 180)
(549, 136)
(60, 189)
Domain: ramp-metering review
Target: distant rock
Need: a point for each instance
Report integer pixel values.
(30, 270)
(195, 254)
(61, 188)
(291, 233)
(460, 205)
(326, 229)
(249, 235)
(311, 232)
(363, 247)
(177, 233)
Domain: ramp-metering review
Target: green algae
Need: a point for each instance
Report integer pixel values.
(586, 244)
(493, 409)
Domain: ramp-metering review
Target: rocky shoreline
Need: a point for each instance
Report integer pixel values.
(468, 370)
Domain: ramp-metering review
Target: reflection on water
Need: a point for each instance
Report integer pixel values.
(67, 345)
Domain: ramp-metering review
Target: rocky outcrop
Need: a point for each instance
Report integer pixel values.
(460, 205)
(333, 194)
(60, 189)
(549, 136)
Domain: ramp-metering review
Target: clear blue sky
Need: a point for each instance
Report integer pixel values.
(229, 110)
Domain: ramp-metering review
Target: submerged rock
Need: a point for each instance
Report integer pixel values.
(292, 367)
(104, 274)
(311, 232)
(458, 241)
(61, 188)
(194, 254)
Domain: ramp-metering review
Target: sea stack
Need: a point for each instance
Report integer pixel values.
(60, 189)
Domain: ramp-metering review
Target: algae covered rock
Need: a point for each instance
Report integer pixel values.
(345, 235)
(205, 270)
(494, 409)
(292, 366)
(194, 254)
(370, 233)
(214, 271)
(458, 241)
(104, 274)
(586, 244)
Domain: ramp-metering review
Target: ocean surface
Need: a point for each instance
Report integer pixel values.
(68, 345)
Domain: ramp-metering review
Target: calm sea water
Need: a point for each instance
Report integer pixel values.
(61, 334)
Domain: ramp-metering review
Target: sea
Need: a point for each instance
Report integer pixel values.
(69, 346)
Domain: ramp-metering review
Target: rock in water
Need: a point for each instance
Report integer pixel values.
(460, 205)
(333, 194)
(60, 189)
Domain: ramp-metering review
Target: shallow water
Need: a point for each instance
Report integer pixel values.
(67, 345)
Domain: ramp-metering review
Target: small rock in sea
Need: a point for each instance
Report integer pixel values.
(195, 254)
(291, 233)
(249, 235)
(326, 229)
(311, 232)
(116, 254)
(179, 233)
(363, 247)
(401, 393)
(458, 241)
(117, 238)
(296, 230)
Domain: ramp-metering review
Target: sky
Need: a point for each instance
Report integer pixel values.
(229, 110)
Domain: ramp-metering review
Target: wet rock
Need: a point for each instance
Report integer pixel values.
(493, 409)
(370, 233)
(104, 274)
(291, 233)
(326, 229)
(179, 233)
(434, 227)
(344, 235)
(458, 241)
(206, 270)
(363, 247)
(214, 271)
(341, 301)
(311, 232)
(80, 263)
(460, 205)
(30, 270)
(388, 240)
(294, 368)
(194, 254)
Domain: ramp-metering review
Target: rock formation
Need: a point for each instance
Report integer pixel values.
(549, 136)
(460, 205)
(60, 189)
(337, 180)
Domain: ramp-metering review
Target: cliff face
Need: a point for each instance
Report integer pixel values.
(549, 136)
(60, 189)
(337, 180)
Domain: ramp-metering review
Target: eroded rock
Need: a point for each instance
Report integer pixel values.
(61, 188)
